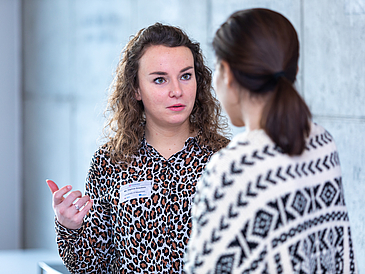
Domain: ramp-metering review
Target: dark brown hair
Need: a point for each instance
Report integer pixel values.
(125, 127)
(262, 49)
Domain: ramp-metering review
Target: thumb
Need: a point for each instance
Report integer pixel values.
(52, 186)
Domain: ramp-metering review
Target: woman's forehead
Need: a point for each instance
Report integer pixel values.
(159, 57)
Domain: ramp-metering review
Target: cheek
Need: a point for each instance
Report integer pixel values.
(190, 90)
(193, 91)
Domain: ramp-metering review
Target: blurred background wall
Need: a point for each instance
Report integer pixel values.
(10, 125)
(57, 59)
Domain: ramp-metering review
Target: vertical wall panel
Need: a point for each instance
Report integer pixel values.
(48, 98)
(334, 34)
(99, 32)
(47, 156)
(10, 124)
(46, 51)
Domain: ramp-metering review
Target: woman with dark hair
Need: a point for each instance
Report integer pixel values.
(164, 126)
(271, 201)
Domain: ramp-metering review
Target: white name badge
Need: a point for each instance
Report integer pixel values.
(135, 190)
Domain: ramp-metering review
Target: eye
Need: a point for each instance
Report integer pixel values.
(186, 76)
(159, 80)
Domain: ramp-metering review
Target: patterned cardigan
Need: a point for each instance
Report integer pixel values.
(258, 210)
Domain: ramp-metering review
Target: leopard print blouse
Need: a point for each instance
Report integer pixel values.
(140, 221)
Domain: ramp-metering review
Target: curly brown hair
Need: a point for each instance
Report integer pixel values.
(125, 124)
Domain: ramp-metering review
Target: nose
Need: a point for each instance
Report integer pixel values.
(175, 89)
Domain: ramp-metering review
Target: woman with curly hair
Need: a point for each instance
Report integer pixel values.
(164, 126)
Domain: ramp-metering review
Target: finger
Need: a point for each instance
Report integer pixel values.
(81, 202)
(71, 198)
(85, 209)
(58, 195)
(52, 186)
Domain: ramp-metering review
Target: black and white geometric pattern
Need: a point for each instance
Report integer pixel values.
(258, 209)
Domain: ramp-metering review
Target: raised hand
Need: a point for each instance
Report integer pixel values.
(71, 210)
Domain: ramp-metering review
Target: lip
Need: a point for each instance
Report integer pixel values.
(177, 107)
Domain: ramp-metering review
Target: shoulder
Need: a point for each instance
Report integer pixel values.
(102, 167)
(222, 142)
(317, 129)
(101, 154)
(212, 141)
(246, 151)
(319, 138)
(103, 161)
(242, 144)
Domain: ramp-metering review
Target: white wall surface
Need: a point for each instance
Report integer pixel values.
(70, 52)
(10, 125)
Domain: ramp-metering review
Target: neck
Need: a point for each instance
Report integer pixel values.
(167, 141)
(252, 108)
(253, 118)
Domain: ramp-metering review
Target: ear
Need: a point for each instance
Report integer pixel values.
(137, 95)
(228, 77)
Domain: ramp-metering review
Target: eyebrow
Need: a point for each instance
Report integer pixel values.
(164, 73)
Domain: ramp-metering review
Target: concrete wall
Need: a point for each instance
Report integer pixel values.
(71, 49)
(10, 124)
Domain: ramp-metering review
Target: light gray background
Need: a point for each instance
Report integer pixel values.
(57, 59)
